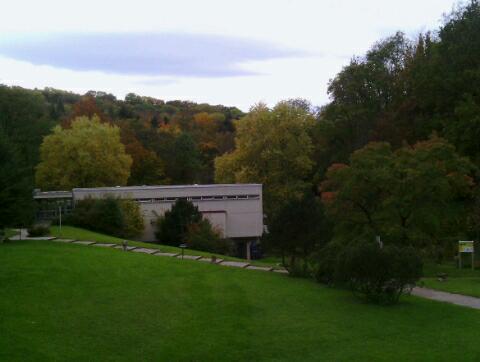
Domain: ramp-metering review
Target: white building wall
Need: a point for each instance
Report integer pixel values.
(236, 210)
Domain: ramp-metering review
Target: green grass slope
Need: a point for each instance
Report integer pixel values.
(71, 232)
(10, 232)
(461, 281)
(69, 302)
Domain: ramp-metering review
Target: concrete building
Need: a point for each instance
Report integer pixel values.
(234, 209)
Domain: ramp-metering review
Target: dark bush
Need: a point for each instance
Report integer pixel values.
(295, 231)
(326, 263)
(172, 228)
(380, 275)
(299, 267)
(110, 215)
(38, 230)
(202, 236)
(132, 219)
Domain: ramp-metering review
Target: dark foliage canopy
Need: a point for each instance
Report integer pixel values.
(172, 228)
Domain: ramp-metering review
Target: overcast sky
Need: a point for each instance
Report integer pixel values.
(235, 53)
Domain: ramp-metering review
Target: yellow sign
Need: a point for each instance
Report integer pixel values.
(465, 246)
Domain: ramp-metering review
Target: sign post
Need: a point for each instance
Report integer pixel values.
(60, 218)
(466, 247)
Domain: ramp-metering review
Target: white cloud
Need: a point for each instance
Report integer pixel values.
(337, 29)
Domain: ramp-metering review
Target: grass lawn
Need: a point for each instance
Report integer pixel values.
(466, 286)
(70, 232)
(462, 281)
(10, 232)
(69, 302)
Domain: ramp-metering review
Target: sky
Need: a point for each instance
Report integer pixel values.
(236, 53)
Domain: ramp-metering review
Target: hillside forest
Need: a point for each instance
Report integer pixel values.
(395, 152)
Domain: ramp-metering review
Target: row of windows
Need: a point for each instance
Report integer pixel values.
(200, 198)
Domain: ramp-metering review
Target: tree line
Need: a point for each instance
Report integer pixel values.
(394, 153)
(153, 142)
(392, 159)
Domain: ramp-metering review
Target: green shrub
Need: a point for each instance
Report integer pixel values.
(380, 275)
(110, 215)
(299, 267)
(172, 228)
(326, 262)
(295, 231)
(38, 230)
(202, 236)
(132, 224)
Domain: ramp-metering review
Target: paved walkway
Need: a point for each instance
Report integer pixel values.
(439, 296)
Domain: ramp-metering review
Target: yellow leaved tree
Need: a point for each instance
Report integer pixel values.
(272, 147)
(88, 154)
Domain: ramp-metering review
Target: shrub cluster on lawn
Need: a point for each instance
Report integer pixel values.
(38, 230)
(184, 224)
(202, 236)
(378, 274)
(375, 273)
(295, 232)
(302, 235)
(110, 215)
(173, 225)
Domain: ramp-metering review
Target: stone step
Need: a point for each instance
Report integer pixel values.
(166, 254)
(209, 260)
(191, 257)
(84, 242)
(237, 264)
(64, 240)
(129, 248)
(145, 250)
(263, 268)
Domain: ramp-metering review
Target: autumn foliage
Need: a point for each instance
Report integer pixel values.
(89, 154)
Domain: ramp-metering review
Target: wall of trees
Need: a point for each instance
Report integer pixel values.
(399, 135)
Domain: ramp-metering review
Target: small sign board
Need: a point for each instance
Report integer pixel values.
(465, 246)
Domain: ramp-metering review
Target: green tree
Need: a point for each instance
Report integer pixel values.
(457, 60)
(296, 231)
(109, 215)
(132, 219)
(147, 168)
(102, 215)
(15, 187)
(173, 227)
(415, 196)
(353, 194)
(24, 121)
(274, 148)
(463, 129)
(185, 164)
(89, 154)
(202, 236)
(364, 91)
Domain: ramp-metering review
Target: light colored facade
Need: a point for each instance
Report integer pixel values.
(234, 209)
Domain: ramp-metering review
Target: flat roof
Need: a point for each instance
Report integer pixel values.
(52, 194)
(162, 187)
